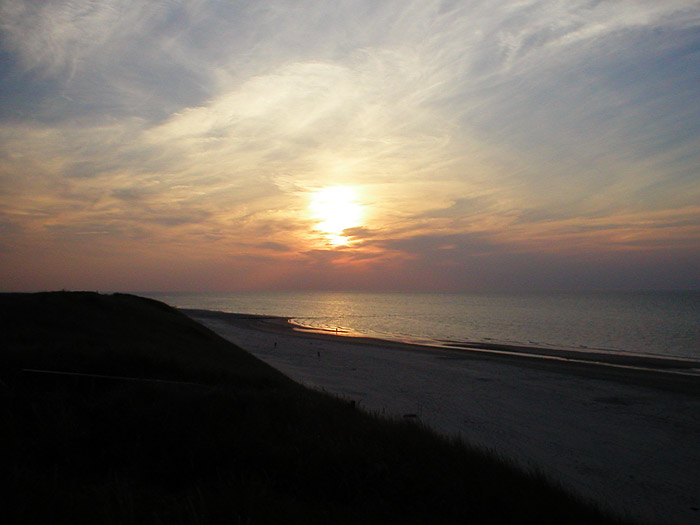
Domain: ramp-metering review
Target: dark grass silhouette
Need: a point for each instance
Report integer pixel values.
(228, 440)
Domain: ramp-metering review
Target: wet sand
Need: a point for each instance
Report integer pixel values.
(621, 432)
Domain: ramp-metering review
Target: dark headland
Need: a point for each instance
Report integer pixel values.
(119, 409)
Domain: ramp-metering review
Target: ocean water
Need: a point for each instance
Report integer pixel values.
(651, 323)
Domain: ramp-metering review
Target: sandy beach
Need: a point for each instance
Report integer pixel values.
(622, 432)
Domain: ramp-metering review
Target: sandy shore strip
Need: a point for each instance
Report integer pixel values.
(671, 373)
(622, 434)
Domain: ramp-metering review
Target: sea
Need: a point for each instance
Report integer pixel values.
(648, 323)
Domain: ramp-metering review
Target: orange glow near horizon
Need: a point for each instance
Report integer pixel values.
(336, 209)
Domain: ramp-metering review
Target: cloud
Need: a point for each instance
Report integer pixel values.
(440, 246)
(467, 129)
(273, 246)
(121, 58)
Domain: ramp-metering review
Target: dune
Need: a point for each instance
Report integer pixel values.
(119, 409)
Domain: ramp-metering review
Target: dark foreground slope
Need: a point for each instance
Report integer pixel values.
(225, 439)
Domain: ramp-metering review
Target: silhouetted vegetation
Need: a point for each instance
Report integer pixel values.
(229, 439)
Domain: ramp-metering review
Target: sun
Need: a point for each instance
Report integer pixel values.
(336, 209)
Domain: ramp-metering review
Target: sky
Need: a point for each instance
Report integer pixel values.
(371, 145)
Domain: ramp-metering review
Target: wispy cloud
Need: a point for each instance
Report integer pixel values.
(467, 129)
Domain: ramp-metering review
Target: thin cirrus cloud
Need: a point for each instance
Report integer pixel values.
(479, 138)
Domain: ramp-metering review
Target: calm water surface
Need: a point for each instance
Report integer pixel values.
(660, 323)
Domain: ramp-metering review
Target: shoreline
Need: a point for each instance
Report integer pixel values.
(668, 373)
(615, 435)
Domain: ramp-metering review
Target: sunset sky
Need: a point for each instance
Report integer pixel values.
(351, 145)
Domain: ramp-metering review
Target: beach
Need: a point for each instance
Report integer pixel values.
(623, 434)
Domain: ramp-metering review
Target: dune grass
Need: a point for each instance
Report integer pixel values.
(228, 440)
